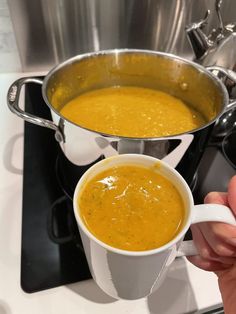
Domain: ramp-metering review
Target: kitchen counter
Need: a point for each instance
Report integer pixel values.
(185, 290)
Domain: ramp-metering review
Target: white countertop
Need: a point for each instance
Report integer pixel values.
(186, 289)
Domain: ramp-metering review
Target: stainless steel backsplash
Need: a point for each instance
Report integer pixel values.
(50, 31)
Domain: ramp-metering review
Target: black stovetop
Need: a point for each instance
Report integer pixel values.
(52, 253)
(51, 247)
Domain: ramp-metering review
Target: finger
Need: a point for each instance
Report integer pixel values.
(220, 230)
(225, 232)
(230, 272)
(207, 265)
(232, 194)
(216, 198)
(203, 248)
(206, 259)
(217, 236)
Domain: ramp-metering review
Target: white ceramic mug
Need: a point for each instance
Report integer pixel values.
(132, 275)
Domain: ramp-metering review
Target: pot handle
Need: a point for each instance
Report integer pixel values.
(229, 74)
(13, 96)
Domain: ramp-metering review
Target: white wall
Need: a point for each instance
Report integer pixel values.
(9, 57)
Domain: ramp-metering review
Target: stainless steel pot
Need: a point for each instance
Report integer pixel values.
(191, 82)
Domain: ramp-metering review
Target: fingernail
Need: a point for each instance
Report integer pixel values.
(232, 241)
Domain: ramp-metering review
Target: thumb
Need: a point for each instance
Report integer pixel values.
(232, 194)
(216, 198)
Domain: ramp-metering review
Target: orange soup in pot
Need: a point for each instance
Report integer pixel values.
(132, 112)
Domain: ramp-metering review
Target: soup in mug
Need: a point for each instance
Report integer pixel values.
(131, 208)
(132, 112)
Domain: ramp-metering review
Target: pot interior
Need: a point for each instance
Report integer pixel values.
(178, 77)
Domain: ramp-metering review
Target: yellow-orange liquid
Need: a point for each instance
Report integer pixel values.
(132, 112)
(131, 208)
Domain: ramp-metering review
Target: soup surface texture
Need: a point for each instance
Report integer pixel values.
(132, 112)
(131, 208)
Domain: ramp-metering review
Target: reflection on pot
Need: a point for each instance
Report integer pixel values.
(229, 148)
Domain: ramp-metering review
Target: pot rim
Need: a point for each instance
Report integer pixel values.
(171, 56)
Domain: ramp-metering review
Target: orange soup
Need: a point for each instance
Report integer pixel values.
(132, 112)
(131, 208)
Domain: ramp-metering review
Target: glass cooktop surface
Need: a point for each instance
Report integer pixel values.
(52, 253)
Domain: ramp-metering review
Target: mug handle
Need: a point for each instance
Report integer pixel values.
(206, 213)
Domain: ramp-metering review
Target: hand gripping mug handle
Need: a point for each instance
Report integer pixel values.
(206, 213)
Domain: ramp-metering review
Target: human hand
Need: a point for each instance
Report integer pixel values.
(216, 244)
